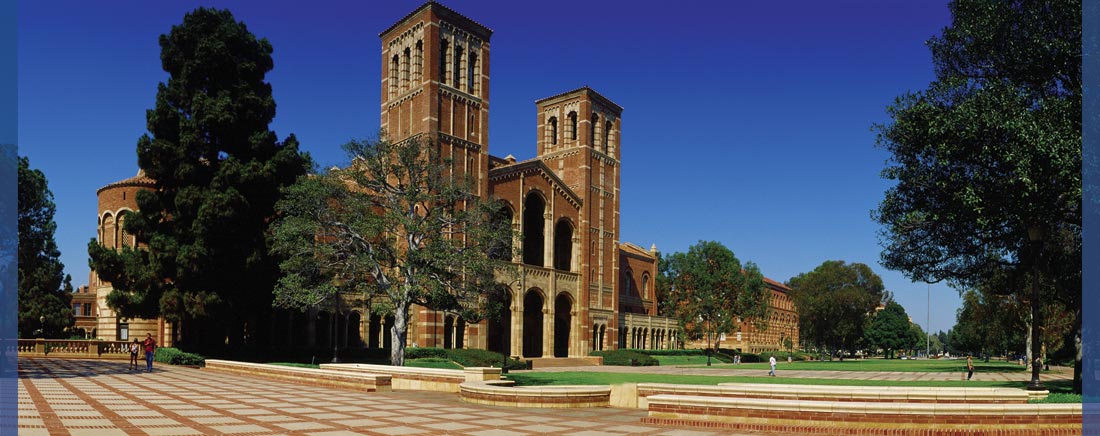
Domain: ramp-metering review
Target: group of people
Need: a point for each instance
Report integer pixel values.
(149, 345)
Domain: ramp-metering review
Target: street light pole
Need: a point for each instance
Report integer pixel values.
(1035, 234)
(928, 333)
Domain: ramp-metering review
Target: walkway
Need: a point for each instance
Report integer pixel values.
(74, 397)
(783, 370)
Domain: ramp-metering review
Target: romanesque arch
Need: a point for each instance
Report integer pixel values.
(533, 302)
(534, 209)
(563, 245)
(499, 332)
(563, 318)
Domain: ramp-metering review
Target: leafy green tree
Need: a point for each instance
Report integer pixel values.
(888, 330)
(987, 160)
(834, 303)
(395, 225)
(218, 171)
(712, 292)
(45, 292)
(663, 288)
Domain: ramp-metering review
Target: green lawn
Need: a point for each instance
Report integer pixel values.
(938, 365)
(684, 360)
(432, 362)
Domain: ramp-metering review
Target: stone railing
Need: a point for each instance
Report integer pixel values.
(74, 348)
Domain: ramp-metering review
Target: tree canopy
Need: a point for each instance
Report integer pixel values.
(395, 225)
(834, 303)
(45, 292)
(218, 171)
(889, 329)
(712, 292)
(987, 160)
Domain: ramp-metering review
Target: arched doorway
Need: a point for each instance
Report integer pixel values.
(533, 239)
(532, 324)
(448, 332)
(563, 305)
(374, 332)
(500, 329)
(351, 334)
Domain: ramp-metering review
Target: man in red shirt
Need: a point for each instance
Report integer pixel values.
(150, 346)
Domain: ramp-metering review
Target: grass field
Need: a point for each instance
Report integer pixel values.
(893, 365)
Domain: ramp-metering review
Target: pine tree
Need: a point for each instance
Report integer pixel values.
(45, 292)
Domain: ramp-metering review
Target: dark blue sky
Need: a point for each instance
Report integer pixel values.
(749, 124)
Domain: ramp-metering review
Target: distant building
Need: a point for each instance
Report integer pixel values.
(85, 311)
(782, 324)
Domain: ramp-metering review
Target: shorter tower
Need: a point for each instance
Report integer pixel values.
(116, 201)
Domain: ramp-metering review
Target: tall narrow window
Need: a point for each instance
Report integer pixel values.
(471, 74)
(607, 137)
(592, 129)
(418, 63)
(573, 126)
(394, 66)
(458, 67)
(443, 61)
(553, 130)
(405, 64)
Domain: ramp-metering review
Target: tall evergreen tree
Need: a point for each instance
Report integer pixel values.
(987, 160)
(218, 172)
(45, 292)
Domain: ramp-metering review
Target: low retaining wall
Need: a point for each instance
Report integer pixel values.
(851, 417)
(420, 379)
(310, 376)
(75, 349)
(880, 394)
(495, 394)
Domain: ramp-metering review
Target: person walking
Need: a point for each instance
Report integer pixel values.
(134, 348)
(150, 347)
(969, 367)
(771, 361)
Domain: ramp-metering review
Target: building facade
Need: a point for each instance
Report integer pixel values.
(116, 201)
(576, 287)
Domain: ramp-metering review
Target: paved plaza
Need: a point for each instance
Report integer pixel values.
(103, 398)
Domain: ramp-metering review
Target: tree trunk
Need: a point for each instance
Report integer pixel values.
(1077, 357)
(1029, 357)
(399, 333)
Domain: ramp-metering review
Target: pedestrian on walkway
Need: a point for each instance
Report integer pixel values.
(969, 367)
(134, 348)
(772, 362)
(150, 347)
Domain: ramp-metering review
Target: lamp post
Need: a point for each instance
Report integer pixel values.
(928, 332)
(1035, 235)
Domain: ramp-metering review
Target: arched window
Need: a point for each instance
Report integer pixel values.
(395, 64)
(607, 137)
(502, 219)
(407, 61)
(443, 61)
(533, 235)
(457, 70)
(418, 63)
(563, 246)
(553, 130)
(645, 285)
(572, 126)
(592, 129)
(471, 75)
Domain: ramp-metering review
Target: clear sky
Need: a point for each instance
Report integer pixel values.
(749, 123)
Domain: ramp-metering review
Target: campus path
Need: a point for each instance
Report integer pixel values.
(790, 370)
(103, 398)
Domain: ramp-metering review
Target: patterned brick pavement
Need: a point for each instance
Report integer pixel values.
(102, 398)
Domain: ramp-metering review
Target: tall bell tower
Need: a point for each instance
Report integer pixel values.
(435, 85)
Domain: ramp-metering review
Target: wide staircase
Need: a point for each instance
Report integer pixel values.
(558, 362)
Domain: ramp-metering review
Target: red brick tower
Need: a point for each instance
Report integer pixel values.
(116, 201)
(578, 139)
(435, 86)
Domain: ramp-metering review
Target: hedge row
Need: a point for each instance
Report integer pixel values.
(625, 357)
(174, 356)
(464, 356)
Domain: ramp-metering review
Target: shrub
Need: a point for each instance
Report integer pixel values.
(623, 358)
(464, 357)
(424, 352)
(687, 352)
(175, 356)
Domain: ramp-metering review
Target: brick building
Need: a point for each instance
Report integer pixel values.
(85, 311)
(116, 201)
(576, 288)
